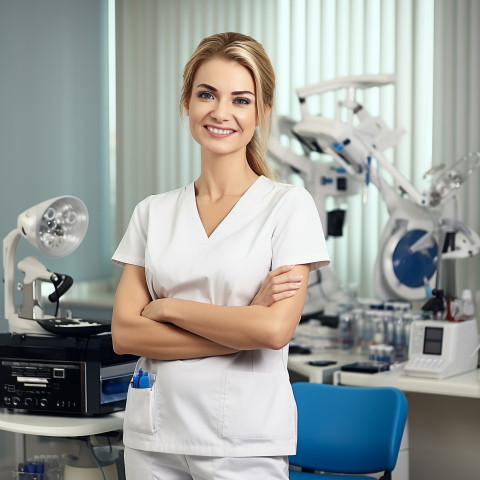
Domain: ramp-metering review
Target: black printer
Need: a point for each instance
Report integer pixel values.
(63, 374)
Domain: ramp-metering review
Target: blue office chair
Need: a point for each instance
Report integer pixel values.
(347, 430)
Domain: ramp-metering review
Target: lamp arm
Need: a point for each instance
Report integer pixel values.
(419, 198)
(287, 157)
(355, 81)
(9, 247)
(351, 83)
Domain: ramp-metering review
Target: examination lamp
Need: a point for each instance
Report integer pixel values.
(56, 227)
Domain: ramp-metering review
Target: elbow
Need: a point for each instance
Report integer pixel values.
(278, 343)
(118, 341)
(278, 336)
(118, 348)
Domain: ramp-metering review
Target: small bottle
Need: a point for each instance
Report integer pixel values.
(378, 328)
(347, 330)
(468, 307)
(368, 328)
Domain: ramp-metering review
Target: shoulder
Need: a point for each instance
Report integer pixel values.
(280, 192)
(288, 203)
(165, 200)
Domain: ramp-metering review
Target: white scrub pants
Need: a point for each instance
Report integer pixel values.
(140, 465)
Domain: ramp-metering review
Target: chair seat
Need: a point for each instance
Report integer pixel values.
(295, 475)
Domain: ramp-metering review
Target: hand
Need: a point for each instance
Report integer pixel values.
(155, 310)
(278, 284)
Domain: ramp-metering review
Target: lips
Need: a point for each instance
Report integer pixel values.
(219, 131)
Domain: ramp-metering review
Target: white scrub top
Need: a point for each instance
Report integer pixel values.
(232, 405)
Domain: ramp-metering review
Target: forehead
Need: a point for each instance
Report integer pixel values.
(224, 74)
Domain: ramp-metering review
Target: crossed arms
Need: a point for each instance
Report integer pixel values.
(173, 329)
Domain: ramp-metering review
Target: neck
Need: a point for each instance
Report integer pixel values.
(222, 176)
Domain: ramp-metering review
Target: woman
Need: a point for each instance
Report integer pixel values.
(214, 283)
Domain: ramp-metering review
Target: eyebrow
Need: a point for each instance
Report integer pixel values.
(213, 89)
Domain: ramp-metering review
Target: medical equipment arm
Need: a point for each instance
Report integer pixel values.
(411, 248)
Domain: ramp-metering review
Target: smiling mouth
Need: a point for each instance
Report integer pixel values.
(219, 131)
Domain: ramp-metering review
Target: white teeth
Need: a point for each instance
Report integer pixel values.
(219, 131)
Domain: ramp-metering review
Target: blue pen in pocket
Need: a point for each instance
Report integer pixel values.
(144, 381)
(136, 378)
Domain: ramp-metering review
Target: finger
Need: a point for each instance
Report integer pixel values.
(281, 296)
(284, 278)
(280, 270)
(283, 287)
(287, 278)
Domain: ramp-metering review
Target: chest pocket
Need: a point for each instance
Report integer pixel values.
(259, 406)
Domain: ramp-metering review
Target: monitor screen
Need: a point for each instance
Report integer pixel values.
(433, 340)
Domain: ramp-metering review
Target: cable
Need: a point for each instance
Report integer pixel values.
(94, 458)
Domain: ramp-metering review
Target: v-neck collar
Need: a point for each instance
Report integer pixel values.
(242, 201)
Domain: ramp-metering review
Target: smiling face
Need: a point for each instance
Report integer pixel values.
(221, 109)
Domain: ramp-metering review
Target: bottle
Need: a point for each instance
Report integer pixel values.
(359, 322)
(368, 326)
(399, 331)
(347, 330)
(378, 328)
(468, 307)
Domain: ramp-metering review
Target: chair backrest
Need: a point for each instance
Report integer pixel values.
(345, 429)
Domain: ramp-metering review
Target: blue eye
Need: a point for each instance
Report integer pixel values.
(206, 95)
(242, 101)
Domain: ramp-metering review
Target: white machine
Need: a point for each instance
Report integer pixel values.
(440, 349)
(423, 228)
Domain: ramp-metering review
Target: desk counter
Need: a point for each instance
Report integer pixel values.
(465, 385)
(59, 426)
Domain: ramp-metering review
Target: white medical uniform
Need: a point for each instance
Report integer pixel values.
(238, 405)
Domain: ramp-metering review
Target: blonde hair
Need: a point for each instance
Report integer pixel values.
(250, 54)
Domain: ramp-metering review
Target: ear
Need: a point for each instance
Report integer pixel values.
(186, 105)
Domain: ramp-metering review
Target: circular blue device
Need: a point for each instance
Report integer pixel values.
(412, 268)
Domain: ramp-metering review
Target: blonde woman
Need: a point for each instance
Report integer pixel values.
(214, 283)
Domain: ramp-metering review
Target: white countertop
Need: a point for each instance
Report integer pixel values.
(464, 385)
(59, 425)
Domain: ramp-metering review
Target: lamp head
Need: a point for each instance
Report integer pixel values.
(56, 226)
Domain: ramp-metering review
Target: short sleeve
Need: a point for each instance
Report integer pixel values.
(298, 237)
(133, 244)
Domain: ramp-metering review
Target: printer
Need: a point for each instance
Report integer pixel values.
(74, 375)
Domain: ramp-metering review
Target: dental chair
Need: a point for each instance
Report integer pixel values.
(347, 431)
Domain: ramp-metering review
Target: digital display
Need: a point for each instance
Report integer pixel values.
(433, 340)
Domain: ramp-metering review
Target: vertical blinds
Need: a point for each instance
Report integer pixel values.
(308, 41)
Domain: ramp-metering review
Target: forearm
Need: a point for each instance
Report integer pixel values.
(161, 341)
(135, 334)
(243, 328)
(238, 327)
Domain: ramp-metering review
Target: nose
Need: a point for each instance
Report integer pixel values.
(221, 111)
